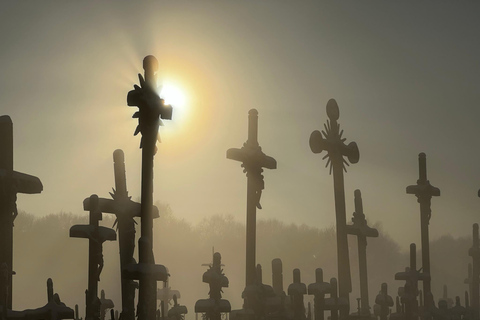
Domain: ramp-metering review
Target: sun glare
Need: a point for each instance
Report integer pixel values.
(174, 96)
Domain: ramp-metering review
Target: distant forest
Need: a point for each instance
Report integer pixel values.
(43, 249)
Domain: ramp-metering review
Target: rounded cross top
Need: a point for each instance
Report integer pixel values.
(118, 155)
(253, 112)
(333, 112)
(150, 62)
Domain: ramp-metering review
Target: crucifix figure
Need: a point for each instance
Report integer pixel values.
(424, 192)
(125, 210)
(332, 142)
(96, 236)
(151, 108)
(474, 252)
(11, 183)
(253, 161)
(362, 231)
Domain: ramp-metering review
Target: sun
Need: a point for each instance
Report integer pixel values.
(176, 97)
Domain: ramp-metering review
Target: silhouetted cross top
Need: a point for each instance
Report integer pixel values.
(11, 183)
(253, 161)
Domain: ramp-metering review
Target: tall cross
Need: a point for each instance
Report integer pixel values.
(424, 192)
(11, 183)
(362, 231)
(151, 108)
(253, 161)
(96, 236)
(332, 142)
(411, 277)
(474, 252)
(125, 210)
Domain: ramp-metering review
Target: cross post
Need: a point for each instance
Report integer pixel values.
(253, 161)
(360, 229)
(332, 142)
(11, 183)
(424, 192)
(151, 108)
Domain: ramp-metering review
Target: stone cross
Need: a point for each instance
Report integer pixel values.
(318, 289)
(125, 210)
(334, 144)
(412, 276)
(11, 183)
(424, 192)
(151, 109)
(253, 161)
(96, 236)
(360, 229)
(474, 252)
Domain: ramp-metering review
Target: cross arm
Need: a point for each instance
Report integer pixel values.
(136, 271)
(91, 232)
(252, 156)
(117, 207)
(24, 183)
(319, 288)
(363, 230)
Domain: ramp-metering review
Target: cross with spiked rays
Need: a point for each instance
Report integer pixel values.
(331, 141)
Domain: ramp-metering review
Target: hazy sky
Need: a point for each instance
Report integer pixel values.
(406, 77)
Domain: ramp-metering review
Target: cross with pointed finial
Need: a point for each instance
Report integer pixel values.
(331, 141)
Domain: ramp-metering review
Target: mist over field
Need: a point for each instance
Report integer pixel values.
(43, 249)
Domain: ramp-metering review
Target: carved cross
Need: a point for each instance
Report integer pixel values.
(424, 192)
(360, 229)
(125, 210)
(151, 109)
(253, 161)
(412, 276)
(11, 183)
(331, 141)
(96, 236)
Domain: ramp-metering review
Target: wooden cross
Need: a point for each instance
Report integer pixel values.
(125, 211)
(360, 229)
(253, 161)
(335, 303)
(11, 183)
(296, 291)
(332, 142)
(424, 192)
(96, 236)
(318, 289)
(151, 108)
(412, 276)
(474, 252)
(384, 301)
(105, 304)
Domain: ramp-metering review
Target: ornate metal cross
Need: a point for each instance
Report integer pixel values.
(424, 192)
(151, 108)
(253, 161)
(11, 183)
(360, 229)
(331, 141)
